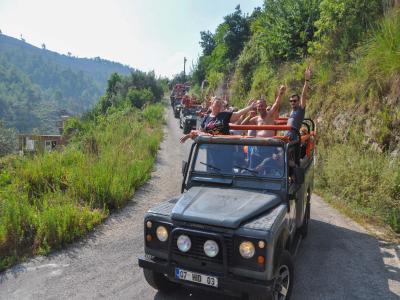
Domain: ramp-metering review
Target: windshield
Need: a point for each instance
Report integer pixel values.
(190, 111)
(246, 160)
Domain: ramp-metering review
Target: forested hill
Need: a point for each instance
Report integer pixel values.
(38, 85)
(353, 48)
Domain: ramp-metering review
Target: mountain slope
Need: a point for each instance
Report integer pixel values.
(38, 85)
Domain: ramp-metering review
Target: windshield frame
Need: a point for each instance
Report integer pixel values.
(219, 174)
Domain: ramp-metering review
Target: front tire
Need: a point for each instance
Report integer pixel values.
(282, 289)
(284, 278)
(159, 281)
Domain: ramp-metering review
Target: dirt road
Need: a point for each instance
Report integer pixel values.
(339, 260)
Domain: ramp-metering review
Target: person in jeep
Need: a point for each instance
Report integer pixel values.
(298, 106)
(217, 122)
(271, 165)
(265, 116)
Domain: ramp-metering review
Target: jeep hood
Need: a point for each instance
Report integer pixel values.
(222, 207)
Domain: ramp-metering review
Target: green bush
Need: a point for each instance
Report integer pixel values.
(342, 24)
(138, 97)
(368, 183)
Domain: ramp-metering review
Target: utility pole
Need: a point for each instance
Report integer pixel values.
(184, 67)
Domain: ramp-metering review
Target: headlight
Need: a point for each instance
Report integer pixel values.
(211, 248)
(247, 249)
(162, 233)
(184, 243)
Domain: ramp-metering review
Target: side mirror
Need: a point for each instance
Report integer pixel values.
(184, 166)
(299, 175)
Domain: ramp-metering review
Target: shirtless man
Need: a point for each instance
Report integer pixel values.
(266, 116)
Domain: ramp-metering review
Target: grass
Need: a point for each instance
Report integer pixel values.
(366, 183)
(52, 199)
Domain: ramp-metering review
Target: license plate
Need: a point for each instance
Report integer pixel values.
(196, 277)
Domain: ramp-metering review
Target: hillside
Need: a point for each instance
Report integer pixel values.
(38, 85)
(353, 48)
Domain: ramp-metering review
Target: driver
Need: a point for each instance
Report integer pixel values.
(272, 165)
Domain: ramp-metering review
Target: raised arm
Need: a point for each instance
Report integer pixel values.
(236, 115)
(250, 119)
(275, 106)
(304, 94)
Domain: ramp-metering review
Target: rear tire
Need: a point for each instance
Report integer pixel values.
(159, 281)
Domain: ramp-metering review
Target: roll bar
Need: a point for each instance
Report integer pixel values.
(261, 127)
(265, 127)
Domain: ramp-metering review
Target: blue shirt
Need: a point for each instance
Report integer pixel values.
(295, 119)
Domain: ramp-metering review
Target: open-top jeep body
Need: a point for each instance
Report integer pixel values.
(188, 118)
(176, 98)
(244, 208)
(177, 106)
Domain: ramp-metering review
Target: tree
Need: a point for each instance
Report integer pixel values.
(342, 24)
(237, 33)
(207, 42)
(284, 29)
(7, 140)
(112, 85)
(139, 97)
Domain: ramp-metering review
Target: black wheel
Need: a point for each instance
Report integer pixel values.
(186, 128)
(159, 281)
(284, 276)
(180, 124)
(303, 230)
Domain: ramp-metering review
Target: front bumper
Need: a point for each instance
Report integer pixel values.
(227, 283)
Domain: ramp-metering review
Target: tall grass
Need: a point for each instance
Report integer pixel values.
(367, 183)
(50, 200)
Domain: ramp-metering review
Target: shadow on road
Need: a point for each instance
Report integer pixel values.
(193, 295)
(332, 263)
(338, 263)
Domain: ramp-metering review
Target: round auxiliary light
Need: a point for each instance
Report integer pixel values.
(162, 233)
(247, 249)
(211, 248)
(184, 243)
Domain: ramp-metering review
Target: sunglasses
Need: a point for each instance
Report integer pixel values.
(293, 101)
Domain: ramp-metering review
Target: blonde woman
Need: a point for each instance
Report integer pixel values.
(217, 122)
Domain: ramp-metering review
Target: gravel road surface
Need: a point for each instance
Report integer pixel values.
(338, 260)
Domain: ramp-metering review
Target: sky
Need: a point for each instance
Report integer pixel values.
(144, 34)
